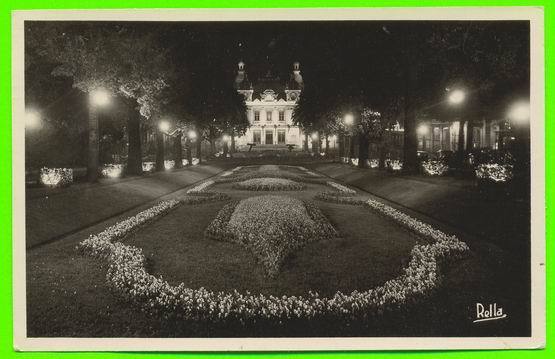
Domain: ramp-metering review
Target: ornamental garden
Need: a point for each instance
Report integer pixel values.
(260, 244)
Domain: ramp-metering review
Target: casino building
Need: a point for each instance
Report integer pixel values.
(270, 103)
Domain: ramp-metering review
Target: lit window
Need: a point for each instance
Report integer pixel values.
(281, 116)
(269, 116)
(257, 115)
(281, 137)
(256, 136)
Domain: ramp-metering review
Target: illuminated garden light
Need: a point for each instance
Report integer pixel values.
(314, 136)
(349, 119)
(520, 112)
(422, 130)
(192, 135)
(32, 119)
(456, 97)
(164, 126)
(99, 97)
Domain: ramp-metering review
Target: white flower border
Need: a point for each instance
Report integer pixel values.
(200, 188)
(128, 277)
(340, 187)
(101, 244)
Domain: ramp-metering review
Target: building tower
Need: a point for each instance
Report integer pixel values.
(295, 85)
(242, 83)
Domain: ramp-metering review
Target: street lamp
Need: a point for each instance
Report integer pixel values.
(456, 97)
(192, 135)
(32, 119)
(99, 97)
(349, 119)
(164, 126)
(422, 130)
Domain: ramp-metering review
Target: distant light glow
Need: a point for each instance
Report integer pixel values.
(164, 126)
(520, 112)
(349, 119)
(192, 135)
(99, 97)
(32, 119)
(314, 136)
(226, 138)
(422, 130)
(457, 96)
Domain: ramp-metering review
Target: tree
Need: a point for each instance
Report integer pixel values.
(124, 60)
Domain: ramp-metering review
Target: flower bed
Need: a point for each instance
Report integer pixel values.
(340, 187)
(434, 168)
(201, 187)
(169, 164)
(494, 172)
(269, 184)
(271, 227)
(149, 166)
(56, 177)
(373, 163)
(127, 277)
(112, 170)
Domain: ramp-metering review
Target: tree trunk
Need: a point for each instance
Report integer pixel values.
(178, 150)
(199, 150)
(189, 152)
(351, 147)
(469, 136)
(160, 151)
(460, 146)
(410, 144)
(225, 149)
(362, 150)
(92, 163)
(232, 142)
(327, 146)
(305, 142)
(341, 145)
(381, 155)
(134, 152)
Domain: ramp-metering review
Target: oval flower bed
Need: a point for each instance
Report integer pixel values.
(271, 227)
(128, 277)
(269, 184)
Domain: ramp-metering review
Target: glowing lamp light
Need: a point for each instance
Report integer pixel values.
(99, 97)
(192, 135)
(422, 130)
(520, 112)
(349, 119)
(456, 97)
(32, 119)
(164, 126)
(314, 136)
(226, 138)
